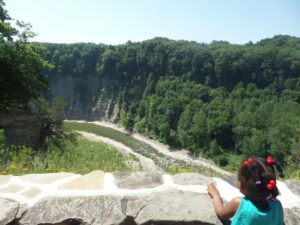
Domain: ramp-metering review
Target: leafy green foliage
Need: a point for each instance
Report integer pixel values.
(21, 64)
(216, 100)
(51, 114)
(22, 82)
(2, 138)
(6, 30)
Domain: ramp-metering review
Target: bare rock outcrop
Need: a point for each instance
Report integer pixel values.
(21, 126)
(89, 97)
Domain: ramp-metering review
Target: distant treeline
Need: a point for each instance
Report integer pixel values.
(215, 99)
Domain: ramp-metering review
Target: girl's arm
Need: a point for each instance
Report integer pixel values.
(223, 212)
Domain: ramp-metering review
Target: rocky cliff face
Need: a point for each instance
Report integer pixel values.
(21, 127)
(87, 97)
(101, 198)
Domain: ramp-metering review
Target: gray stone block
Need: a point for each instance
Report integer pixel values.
(177, 207)
(45, 178)
(138, 180)
(292, 216)
(191, 179)
(8, 210)
(96, 210)
(4, 179)
(294, 185)
(232, 179)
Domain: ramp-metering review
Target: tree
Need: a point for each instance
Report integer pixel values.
(22, 80)
(52, 131)
(6, 30)
(21, 64)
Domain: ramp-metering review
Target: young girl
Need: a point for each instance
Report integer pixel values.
(257, 181)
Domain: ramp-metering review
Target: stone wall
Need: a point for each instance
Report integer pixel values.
(119, 198)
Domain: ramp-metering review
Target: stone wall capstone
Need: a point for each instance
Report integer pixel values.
(98, 198)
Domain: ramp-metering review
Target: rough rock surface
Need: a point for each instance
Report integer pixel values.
(89, 97)
(294, 185)
(45, 178)
(179, 206)
(4, 179)
(98, 210)
(160, 208)
(90, 181)
(8, 210)
(21, 127)
(191, 179)
(138, 180)
(12, 188)
(292, 216)
(32, 192)
(232, 179)
(101, 198)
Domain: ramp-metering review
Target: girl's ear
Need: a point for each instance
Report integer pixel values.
(240, 186)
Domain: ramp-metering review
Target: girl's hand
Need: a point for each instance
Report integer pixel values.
(213, 190)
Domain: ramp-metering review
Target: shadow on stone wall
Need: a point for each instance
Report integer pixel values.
(176, 223)
(67, 222)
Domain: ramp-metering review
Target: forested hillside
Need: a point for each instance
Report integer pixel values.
(216, 99)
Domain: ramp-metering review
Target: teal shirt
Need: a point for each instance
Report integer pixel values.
(248, 214)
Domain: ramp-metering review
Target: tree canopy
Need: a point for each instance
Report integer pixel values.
(22, 80)
(214, 99)
(21, 63)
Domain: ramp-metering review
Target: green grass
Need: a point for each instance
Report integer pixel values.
(293, 173)
(81, 157)
(233, 162)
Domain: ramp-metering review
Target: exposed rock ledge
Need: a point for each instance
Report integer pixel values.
(118, 198)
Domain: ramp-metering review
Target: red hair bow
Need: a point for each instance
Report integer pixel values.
(247, 162)
(271, 184)
(269, 160)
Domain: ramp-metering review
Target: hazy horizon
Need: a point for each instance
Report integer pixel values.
(45, 42)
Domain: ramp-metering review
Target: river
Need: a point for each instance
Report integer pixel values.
(164, 158)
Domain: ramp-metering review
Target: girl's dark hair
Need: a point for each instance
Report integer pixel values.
(255, 177)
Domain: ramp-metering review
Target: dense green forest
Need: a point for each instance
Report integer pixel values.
(217, 99)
